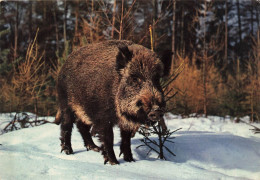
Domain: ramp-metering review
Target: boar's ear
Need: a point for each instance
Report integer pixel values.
(166, 58)
(123, 57)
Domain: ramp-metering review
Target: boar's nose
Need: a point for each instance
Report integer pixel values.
(155, 114)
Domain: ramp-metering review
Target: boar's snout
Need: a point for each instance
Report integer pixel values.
(155, 114)
(151, 103)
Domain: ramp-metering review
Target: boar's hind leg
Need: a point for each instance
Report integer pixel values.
(66, 128)
(107, 138)
(86, 136)
(125, 146)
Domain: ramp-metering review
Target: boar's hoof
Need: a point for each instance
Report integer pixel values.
(127, 157)
(112, 162)
(107, 159)
(93, 147)
(68, 150)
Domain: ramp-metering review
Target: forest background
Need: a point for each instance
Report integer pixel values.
(215, 45)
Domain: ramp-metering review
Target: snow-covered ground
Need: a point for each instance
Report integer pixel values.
(205, 148)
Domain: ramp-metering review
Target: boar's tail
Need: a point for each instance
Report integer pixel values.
(58, 117)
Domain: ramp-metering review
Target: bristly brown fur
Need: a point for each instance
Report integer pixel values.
(104, 84)
(58, 117)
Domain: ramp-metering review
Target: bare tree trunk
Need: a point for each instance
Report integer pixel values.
(226, 32)
(75, 38)
(204, 74)
(239, 21)
(16, 32)
(44, 11)
(113, 20)
(258, 52)
(252, 104)
(65, 24)
(65, 54)
(160, 142)
(258, 70)
(30, 21)
(56, 30)
(155, 13)
(155, 9)
(182, 32)
(204, 88)
(257, 16)
(91, 20)
(173, 34)
(121, 21)
(252, 17)
(238, 85)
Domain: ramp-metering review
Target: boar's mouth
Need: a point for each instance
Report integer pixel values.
(155, 115)
(150, 118)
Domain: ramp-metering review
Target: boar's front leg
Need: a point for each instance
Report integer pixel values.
(107, 138)
(86, 136)
(125, 146)
(66, 128)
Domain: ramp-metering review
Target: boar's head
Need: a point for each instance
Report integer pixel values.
(139, 98)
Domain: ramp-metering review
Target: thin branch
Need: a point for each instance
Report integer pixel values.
(12, 124)
(169, 150)
(169, 141)
(140, 146)
(256, 129)
(129, 10)
(171, 80)
(152, 148)
(169, 98)
(165, 94)
(148, 152)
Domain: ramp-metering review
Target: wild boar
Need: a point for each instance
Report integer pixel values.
(106, 84)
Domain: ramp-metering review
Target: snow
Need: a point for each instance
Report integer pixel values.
(205, 148)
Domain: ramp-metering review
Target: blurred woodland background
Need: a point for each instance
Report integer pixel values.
(216, 47)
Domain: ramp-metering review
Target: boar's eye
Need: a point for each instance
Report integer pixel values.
(156, 80)
(136, 80)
